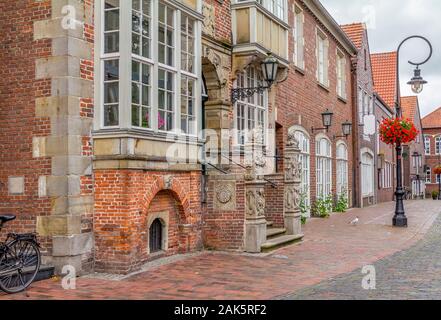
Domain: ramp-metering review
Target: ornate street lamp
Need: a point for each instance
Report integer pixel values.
(347, 130)
(417, 83)
(326, 119)
(270, 68)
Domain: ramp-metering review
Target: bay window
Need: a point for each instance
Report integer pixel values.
(151, 74)
(276, 7)
(250, 113)
(323, 167)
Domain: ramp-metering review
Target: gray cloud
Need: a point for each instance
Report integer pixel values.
(389, 23)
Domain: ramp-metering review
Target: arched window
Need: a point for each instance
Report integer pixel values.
(427, 145)
(438, 145)
(342, 169)
(305, 159)
(323, 167)
(155, 236)
(367, 174)
(250, 112)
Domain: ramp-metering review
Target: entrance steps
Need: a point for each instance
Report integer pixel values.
(277, 238)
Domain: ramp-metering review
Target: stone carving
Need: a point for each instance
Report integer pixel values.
(255, 203)
(224, 194)
(209, 19)
(293, 170)
(168, 181)
(292, 140)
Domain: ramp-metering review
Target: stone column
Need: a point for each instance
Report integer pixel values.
(255, 222)
(293, 170)
(66, 106)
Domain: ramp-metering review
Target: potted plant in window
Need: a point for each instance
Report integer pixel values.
(398, 131)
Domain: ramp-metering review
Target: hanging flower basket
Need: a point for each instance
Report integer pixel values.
(397, 131)
(437, 170)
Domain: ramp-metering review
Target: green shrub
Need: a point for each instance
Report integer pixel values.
(342, 203)
(322, 207)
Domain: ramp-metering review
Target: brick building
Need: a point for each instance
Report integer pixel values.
(414, 153)
(385, 78)
(432, 146)
(364, 119)
(103, 155)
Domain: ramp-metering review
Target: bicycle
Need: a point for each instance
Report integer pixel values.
(20, 259)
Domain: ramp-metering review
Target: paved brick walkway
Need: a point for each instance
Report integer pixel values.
(331, 247)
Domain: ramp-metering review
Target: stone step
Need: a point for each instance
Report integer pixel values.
(45, 272)
(272, 232)
(269, 224)
(280, 241)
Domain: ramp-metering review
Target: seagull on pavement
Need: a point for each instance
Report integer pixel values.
(355, 222)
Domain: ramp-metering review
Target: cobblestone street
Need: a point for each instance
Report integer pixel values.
(407, 262)
(407, 275)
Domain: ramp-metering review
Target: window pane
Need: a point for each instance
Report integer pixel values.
(111, 20)
(111, 4)
(111, 42)
(135, 116)
(111, 70)
(111, 115)
(111, 92)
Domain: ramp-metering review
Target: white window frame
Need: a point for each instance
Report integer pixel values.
(342, 169)
(322, 55)
(429, 175)
(305, 159)
(323, 167)
(367, 173)
(299, 38)
(279, 8)
(438, 145)
(427, 145)
(126, 56)
(341, 74)
(242, 81)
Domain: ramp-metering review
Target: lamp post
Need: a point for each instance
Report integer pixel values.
(417, 83)
(270, 68)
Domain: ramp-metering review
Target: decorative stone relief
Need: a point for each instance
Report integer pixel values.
(168, 180)
(209, 19)
(225, 196)
(292, 140)
(255, 203)
(293, 170)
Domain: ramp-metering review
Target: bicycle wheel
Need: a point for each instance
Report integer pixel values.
(19, 265)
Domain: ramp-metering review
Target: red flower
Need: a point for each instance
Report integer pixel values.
(393, 131)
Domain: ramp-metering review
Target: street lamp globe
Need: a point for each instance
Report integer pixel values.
(417, 82)
(270, 67)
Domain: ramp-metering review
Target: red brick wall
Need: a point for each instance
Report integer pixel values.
(274, 200)
(300, 100)
(123, 201)
(18, 90)
(432, 160)
(224, 230)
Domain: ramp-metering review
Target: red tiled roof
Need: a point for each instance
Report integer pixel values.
(355, 32)
(432, 120)
(384, 69)
(409, 106)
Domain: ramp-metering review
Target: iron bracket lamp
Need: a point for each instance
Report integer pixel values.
(270, 67)
(347, 130)
(327, 121)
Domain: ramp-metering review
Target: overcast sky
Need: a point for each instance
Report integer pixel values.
(389, 22)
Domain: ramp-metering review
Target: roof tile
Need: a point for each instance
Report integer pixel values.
(432, 120)
(384, 69)
(355, 32)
